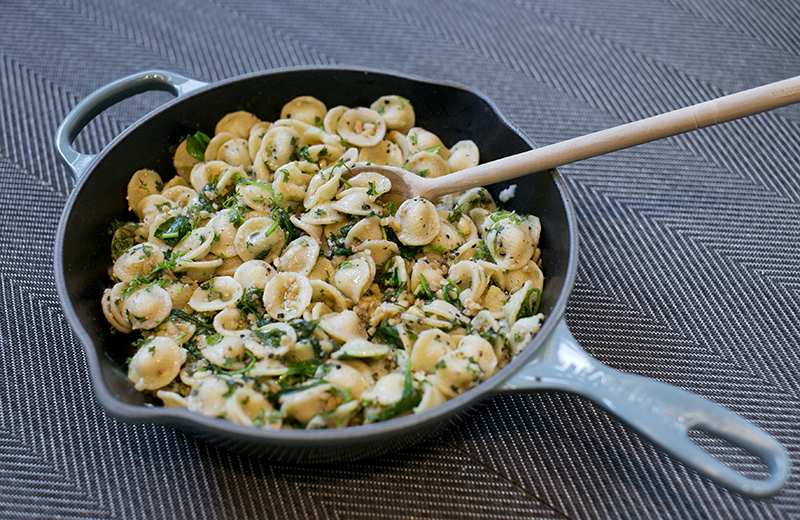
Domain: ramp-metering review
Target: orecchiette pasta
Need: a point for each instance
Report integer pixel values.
(396, 111)
(361, 127)
(269, 286)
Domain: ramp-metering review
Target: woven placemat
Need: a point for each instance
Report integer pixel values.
(688, 273)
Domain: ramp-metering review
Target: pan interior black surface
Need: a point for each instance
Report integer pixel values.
(451, 112)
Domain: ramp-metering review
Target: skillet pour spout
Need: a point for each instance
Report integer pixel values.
(552, 361)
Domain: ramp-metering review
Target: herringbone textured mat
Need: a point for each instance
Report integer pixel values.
(689, 273)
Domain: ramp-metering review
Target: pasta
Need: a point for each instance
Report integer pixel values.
(269, 287)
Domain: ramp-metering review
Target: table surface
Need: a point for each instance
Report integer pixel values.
(688, 262)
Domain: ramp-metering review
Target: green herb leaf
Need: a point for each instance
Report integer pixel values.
(299, 372)
(196, 145)
(336, 241)
(270, 338)
(261, 185)
(303, 328)
(423, 290)
(283, 218)
(411, 397)
(201, 324)
(174, 229)
(240, 371)
(482, 251)
(251, 301)
(448, 291)
(530, 308)
(275, 225)
(388, 334)
(394, 294)
(407, 252)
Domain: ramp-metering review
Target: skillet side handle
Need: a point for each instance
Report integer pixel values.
(661, 413)
(105, 97)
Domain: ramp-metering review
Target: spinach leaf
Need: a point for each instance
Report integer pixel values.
(174, 229)
(388, 334)
(196, 145)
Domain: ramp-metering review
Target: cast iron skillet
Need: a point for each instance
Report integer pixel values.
(553, 360)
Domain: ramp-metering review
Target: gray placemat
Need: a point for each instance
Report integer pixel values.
(688, 274)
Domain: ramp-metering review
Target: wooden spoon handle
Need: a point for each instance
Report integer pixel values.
(707, 113)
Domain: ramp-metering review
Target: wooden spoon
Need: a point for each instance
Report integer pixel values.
(406, 184)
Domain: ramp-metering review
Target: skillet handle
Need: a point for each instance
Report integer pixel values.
(106, 96)
(661, 413)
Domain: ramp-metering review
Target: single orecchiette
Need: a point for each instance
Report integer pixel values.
(205, 173)
(427, 164)
(345, 377)
(235, 152)
(259, 238)
(343, 326)
(399, 139)
(228, 352)
(289, 185)
(254, 273)
(112, 309)
(388, 390)
(225, 231)
(396, 111)
(237, 123)
(514, 280)
(385, 152)
(307, 109)
(380, 250)
(331, 119)
(431, 396)
(430, 345)
(299, 256)
(522, 332)
(139, 259)
(216, 294)
(421, 140)
(322, 188)
(147, 307)
(196, 244)
(212, 150)
(463, 155)
(228, 322)
(156, 363)
(354, 276)
(143, 183)
(449, 238)
(329, 295)
(361, 127)
(461, 369)
(257, 133)
(183, 161)
(180, 196)
(209, 397)
(246, 406)
(287, 295)
(416, 222)
(510, 242)
(303, 405)
(278, 146)
(375, 183)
